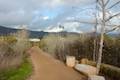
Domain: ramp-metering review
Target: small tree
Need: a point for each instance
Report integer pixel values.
(104, 22)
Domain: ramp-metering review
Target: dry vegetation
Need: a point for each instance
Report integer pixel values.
(81, 46)
(57, 45)
(12, 49)
(14, 64)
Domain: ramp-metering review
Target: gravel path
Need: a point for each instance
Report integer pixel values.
(48, 68)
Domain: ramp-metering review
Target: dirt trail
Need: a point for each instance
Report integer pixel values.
(48, 68)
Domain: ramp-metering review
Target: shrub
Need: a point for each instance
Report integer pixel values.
(81, 46)
(7, 56)
(12, 49)
(60, 46)
(107, 70)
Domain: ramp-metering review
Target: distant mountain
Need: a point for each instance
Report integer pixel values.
(6, 31)
(33, 34)
(39, 34)
(114, 35)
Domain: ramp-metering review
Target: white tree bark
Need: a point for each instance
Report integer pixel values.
(103, 4)
(101, 37)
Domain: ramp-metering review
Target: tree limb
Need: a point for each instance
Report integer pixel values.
(87, 22)
(107, 2)
(114, 5)
(113, 16)
(107, 31)
(99, 2)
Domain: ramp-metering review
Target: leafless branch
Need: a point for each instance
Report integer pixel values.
(87, 22)
(99, 2)
(113, 16)
(107, 2)
(113, 29)
(114, 5)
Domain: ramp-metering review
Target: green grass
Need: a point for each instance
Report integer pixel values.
(20, 73)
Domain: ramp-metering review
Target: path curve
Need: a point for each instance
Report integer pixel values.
(48, 68)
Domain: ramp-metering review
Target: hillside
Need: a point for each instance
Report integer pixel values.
(33, 34)
(39, 34)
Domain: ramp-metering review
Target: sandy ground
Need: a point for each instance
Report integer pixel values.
(48, 68)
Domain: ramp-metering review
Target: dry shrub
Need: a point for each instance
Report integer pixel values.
(7, 56)
(50, 43)
(84, 61)
(57, 44)
(12, 54)
(81, 46)
(22, 42)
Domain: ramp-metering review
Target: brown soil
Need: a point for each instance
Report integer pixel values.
(48, 68)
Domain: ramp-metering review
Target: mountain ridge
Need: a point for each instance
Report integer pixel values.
(40, 34)
(33, 34)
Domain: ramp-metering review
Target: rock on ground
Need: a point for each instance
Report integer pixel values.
(86, 69)
(95, 77)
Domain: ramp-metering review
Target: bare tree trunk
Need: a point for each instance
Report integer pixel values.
(100, 53)
(95, 44)
(95, 35)
(101, 37)
(95, 41)
(94, 51)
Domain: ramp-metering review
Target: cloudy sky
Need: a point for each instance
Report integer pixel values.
(48, 14)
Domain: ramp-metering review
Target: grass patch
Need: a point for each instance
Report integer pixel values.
(20, 73)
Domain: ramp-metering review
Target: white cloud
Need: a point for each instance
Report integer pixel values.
(15, 18)
(72, 27)
(38, 30)
(68, 26)
(21, 27)
(53, 29)
(70, 18)
(29, 12)
(19, 12)
(45, 17)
